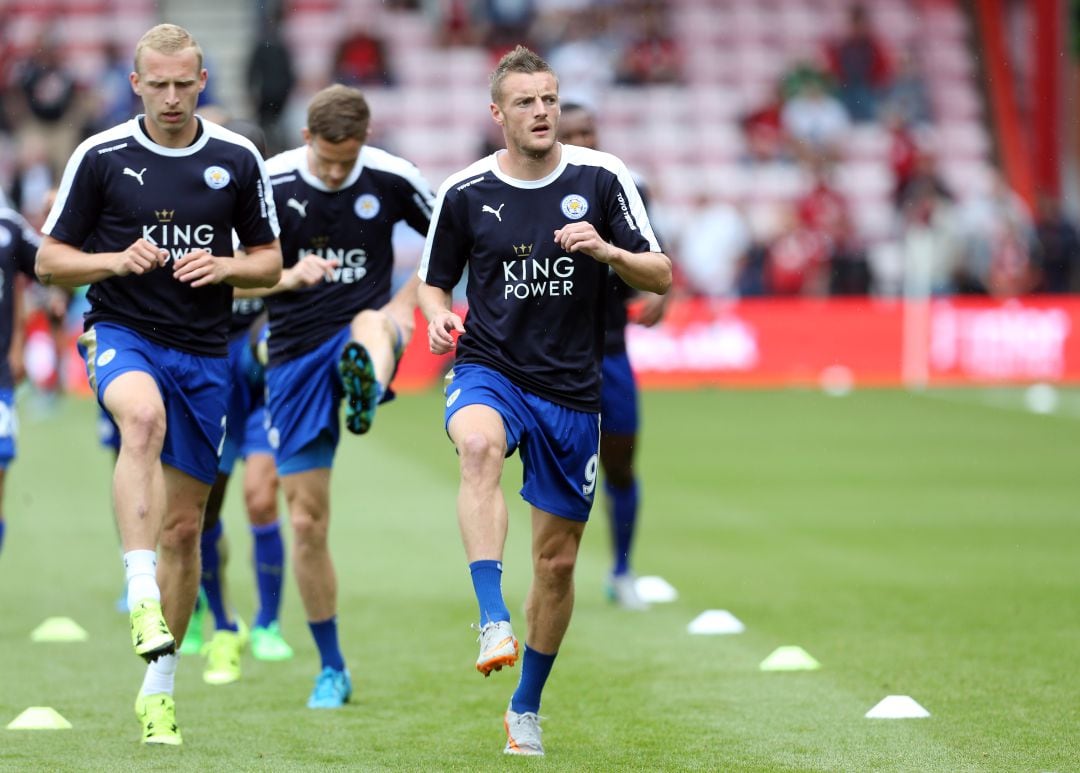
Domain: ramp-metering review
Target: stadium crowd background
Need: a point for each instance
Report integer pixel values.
(791, 147)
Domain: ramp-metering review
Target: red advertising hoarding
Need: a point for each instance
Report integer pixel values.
(801, 342)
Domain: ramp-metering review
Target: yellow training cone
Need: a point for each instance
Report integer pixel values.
(789, 659)
(59, 629)
(39, 718)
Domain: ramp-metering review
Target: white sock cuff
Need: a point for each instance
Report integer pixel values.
(140, 562)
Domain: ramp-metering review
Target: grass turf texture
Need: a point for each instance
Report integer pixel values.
(913, 545)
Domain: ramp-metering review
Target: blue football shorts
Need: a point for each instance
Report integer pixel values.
(247, 425)
(194, 389)
(9, 427)
(618, 396)
(558, 445)
(303, 397)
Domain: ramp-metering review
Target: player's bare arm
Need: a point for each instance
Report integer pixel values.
(258, 266)
(443, 323)
(649, 271)
(308, 272)
(61, 264)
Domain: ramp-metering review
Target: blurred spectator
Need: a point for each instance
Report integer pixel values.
(860, 66)
(928, 233)
(33, 179)
(824, 211)
(452, 21)
(903, 148)
(997, 230)
(797, 261)
(271, 78)
(1056, 251)
(361, 60)
(764, 134)
(113, 99)
(45, 101)
(907, 95)
(654, 55)
(713, 248)
(505, 24)
(815, 120)
(584, 57)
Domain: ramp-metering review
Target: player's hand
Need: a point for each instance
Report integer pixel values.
(141, 257)
(199, 268)
(582, 237)
(441, 330)
(652, 309)
(309, 271)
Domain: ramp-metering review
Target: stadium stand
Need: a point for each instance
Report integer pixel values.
(686, 138)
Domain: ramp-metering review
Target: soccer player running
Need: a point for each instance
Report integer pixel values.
(619, 415)
(19, 244)
(538, 226)
(338, 199)
(145, 213)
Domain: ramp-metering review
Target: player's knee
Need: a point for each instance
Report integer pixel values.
(143, 428)
(309, 530)
(480, 456)
(182, 534)
(261, 505)
(555, 569)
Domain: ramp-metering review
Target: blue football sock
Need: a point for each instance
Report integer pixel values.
(326, 639)
(624, 509)
(1, 534)
(269, 571)
(487, 582)
(211, 578)
(535, 667)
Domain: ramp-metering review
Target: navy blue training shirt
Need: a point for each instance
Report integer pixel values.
(352, 224)
(536, 315)
(120, 186)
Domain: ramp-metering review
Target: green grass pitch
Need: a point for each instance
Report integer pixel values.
(923, 545)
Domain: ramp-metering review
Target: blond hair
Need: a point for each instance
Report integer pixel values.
(521, 60)
(167, 39)
(339, 113)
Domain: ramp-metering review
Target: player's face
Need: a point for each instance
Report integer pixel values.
(331, 162)
(528, 111)
(577, 127)
(169, 85)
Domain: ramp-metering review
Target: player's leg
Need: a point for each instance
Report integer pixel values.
(178, 577)
(195, 406)
(559, 457)
(368, 361)
(225, 647)
(307, 494)
(478, 433)
(303, 401)
(136, 404)
(260, 501)
(548, 609)
(618, 440)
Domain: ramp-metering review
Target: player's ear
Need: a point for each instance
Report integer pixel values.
(133, 78)
(202, 79)
(305, 133)
(496, 113)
